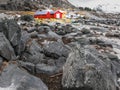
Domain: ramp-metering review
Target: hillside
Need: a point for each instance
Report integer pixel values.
(29, 5)
(109, 6)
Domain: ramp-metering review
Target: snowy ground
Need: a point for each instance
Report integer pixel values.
(109, 6)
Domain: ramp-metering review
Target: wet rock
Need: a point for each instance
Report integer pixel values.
(6, 50)
(86, 69)
(13, 78)
(12, 31)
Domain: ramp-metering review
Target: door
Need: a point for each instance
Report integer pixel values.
(57, 15)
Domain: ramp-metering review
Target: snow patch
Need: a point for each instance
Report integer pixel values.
(109, 6)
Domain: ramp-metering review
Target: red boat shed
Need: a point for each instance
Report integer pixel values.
(58, 14)
(47, 14)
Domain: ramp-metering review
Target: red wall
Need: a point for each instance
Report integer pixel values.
(58, 13)
(48, 15)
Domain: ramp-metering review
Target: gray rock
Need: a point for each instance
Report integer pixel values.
(50, 66)
(1, 61)
(28, 66)
(33, 53)
(13, 78)
(86, 69)
(85, 31)
(43, 29)
(99, 29)
(12, 31)
(47, 69)
(25, 37)
(6, 50)
(53, 35)
(34, 34)
(56, 50)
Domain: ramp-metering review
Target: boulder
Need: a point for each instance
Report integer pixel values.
(55, 54)
(6, 50)
(86, 69)
(25, 37)
(30, 67)
(13, 78)
(56, 50)
(32, 52)
(43, 29)
(12, 31)
(46, 69)
(50, 66)
(85, 31)
(1, 61)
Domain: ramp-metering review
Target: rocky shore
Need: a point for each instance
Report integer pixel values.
(82, 55)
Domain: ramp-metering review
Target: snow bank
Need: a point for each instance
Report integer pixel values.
(108, 6)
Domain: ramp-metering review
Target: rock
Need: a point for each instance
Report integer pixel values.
(86, 69)
(25, 37)
(53, 35)
(100, 42)
(55, 54)
(34, 34)
(28, 66)
(85, 31)
(6, 50)
(12, 31)
(27, 18)
(61, 32)
(50, 66)
(33, 53)
(56, 50)
(13, 78)
(99, 29)
(111, 56)
(83, 41)
(43, 29)
(47, 69)
(1, 61)
(112, 34)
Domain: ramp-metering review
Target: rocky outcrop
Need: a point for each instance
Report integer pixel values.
(14, 78)
(12, 31)
(6, 50)
(86, 69)
(33, 53)
(28, 5)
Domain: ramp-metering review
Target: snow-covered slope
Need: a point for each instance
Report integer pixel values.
(109, 6)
